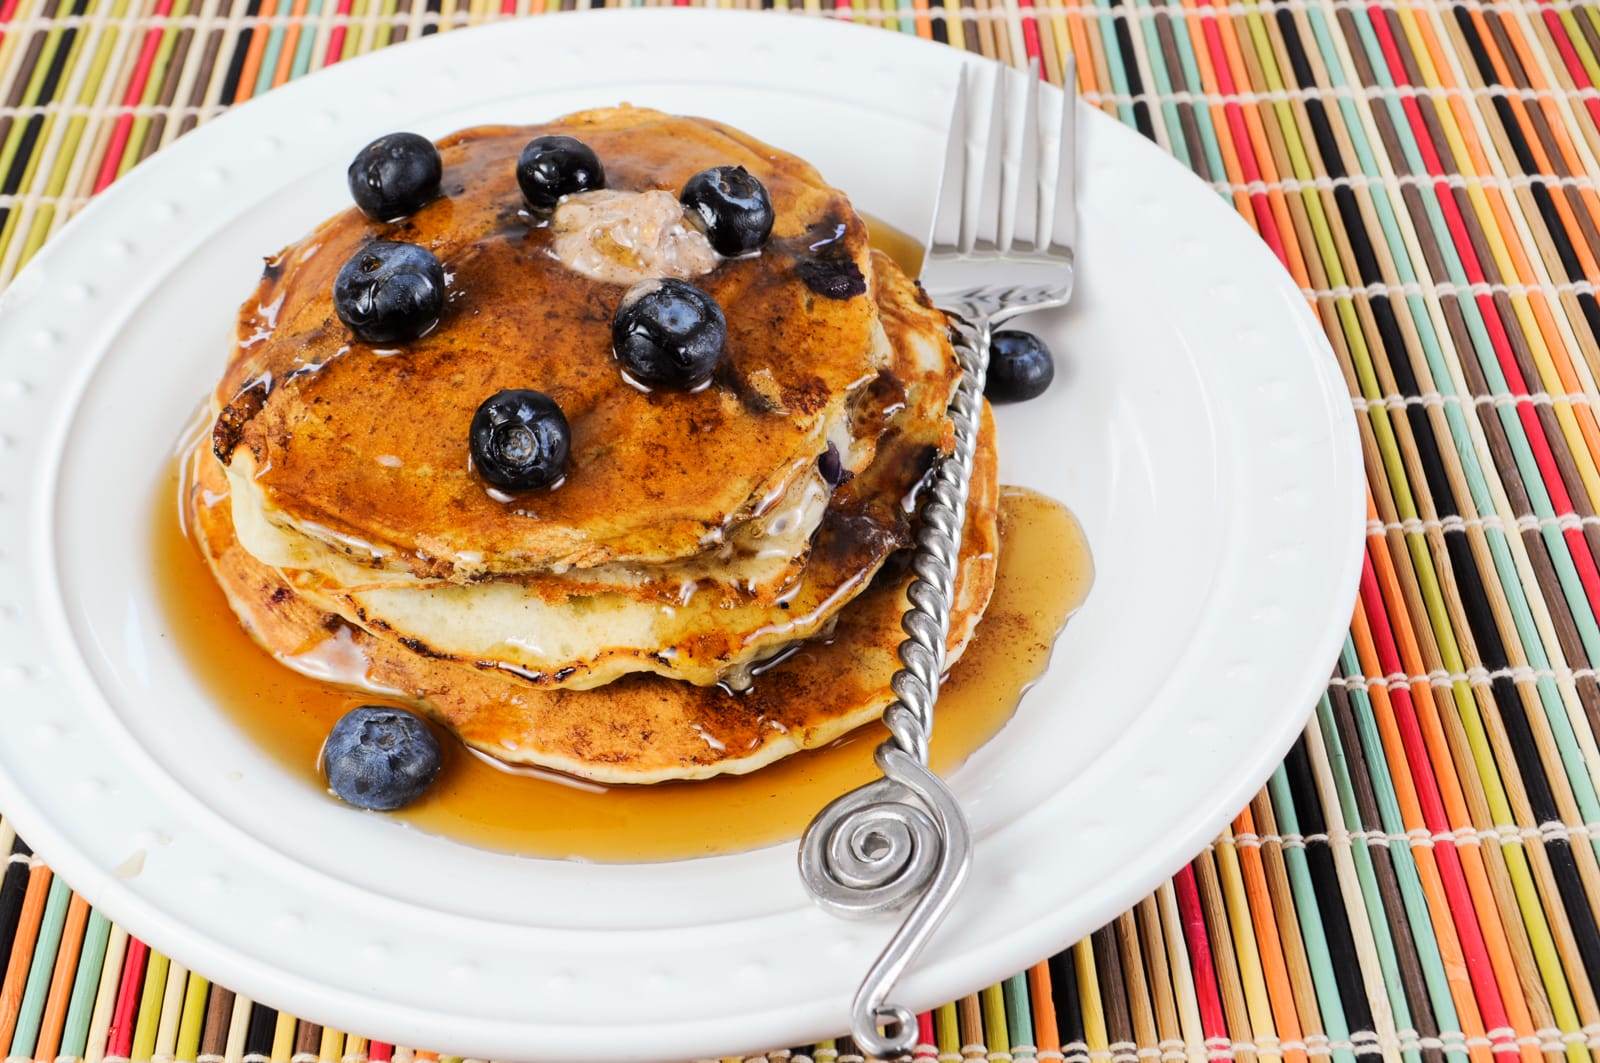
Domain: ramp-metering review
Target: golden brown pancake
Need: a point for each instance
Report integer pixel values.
(571, 630)
(641, 729)
(366, 447)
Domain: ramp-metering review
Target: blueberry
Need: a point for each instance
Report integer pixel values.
(520, 440)
(668, 334)
(380, 758)
(394, 175)
(1020, 367)
(733, 206)
(389, 292)
(831, 465)
(832, 277)
(556, 166)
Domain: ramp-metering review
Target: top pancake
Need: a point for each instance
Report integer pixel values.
(366, 448)
(584, 628)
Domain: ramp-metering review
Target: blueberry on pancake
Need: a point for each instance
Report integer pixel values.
(668, 334)
(733, 206)
(394, 176)
(389, 292)
(520, 440)
(554, 166)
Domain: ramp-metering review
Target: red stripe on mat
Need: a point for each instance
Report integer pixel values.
(1030, 34)
(1569, 56)
(335, 50)
(8, 10)
(130, 99)
(1260, 205)
(1448, 861)
(1193, 918)
(119, 1037)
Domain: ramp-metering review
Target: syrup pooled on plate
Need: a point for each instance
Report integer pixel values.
(1044, 574)
(905, 250)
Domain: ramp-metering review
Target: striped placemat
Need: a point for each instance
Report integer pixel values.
(1420, 878)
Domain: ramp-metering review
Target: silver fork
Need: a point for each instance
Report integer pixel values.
(903, 837)
(1012, 251)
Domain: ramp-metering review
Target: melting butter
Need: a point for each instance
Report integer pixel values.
(626, 237)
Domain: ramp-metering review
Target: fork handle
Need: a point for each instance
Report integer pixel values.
(903, 837)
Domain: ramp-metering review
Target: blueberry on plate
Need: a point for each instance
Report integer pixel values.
(733, 206)
(395, 175)
(668, 334)
(1020, 367)
(389, 292)
(555, 166)
(380, 758)
(520, 440)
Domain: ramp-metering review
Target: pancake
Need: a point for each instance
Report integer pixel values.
(699, 623)
(550, 637)
(761, 555)
(364, 449)
(641, 729)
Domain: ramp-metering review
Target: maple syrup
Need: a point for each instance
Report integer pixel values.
(905, 250)
(1044, 574)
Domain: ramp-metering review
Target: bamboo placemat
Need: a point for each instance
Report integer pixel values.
(1421, 878)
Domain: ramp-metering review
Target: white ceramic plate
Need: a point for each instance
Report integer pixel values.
(1197, 426)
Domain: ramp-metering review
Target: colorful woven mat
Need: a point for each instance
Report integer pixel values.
(1420, 878)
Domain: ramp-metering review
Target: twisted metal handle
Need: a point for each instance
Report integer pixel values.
(904, 837)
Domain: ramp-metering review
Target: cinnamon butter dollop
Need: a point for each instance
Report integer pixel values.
(624, 237)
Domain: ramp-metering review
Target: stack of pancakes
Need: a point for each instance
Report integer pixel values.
(713, 586)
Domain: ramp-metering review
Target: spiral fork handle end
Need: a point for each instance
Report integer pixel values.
(874, 849)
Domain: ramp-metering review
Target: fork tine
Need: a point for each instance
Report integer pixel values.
(1025, 232)
(945, 231)
(1064, 220)
(990, 206)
